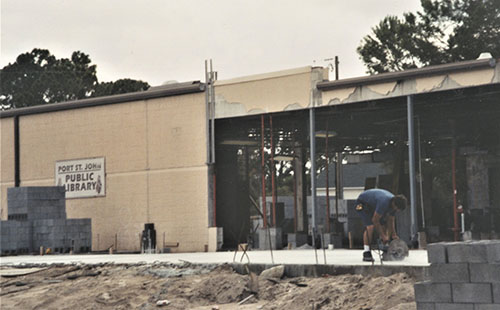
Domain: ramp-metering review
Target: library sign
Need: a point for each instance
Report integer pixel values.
(82, 177)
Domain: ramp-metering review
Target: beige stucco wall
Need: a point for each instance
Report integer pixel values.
(266, 93)
(155, 167)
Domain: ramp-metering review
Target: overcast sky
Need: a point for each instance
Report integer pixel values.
(162, 40)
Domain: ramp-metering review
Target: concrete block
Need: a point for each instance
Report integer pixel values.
(487, 307)
(432, 292)
(493, 250)
(472, 293)
(454, 306)
(274, 233)
(474, 252)
(496, 292)
(466, 252)
(296, 239)
(17, 193)
(45, 192)
(17, 206)
(449, 273)
(332, 238)
(425, 306)
(489, 273)
(436, 253)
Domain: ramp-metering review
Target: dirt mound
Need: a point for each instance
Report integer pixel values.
(194, 287)
(340, 292)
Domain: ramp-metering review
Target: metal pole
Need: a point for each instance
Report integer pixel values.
(336, 67)
(420, 173)
(411, 167)
(263, 170)
(215, 197)
(273, 177)
(312, 137)
(294, 165)
(212, 99)
(327, 219)
(17, 154)
(208, 113)
(454, 184)
(338, 180)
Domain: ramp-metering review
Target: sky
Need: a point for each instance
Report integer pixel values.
(164, 40)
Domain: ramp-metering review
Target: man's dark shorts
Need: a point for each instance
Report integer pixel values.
(367, 215)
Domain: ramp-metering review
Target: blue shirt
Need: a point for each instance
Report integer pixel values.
(378, 200)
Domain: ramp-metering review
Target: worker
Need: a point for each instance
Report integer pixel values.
(377, 208)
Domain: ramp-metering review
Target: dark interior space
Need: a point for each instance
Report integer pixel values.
(457, 129)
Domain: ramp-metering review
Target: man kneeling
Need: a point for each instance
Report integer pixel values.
(377, 208)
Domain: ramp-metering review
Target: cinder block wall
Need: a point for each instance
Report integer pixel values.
(464, 275)
(37, 217)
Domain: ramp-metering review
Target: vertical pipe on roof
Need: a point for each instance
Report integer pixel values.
(411, 167)
(336, 67)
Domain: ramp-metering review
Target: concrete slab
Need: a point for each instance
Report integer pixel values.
(340, 257)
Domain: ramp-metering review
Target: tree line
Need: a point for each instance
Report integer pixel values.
(38, 77)
(444, 31)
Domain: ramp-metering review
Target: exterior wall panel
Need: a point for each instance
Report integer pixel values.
(154, 154)
(267, 93)
(181, 213)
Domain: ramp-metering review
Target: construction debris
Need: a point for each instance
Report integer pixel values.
(273, 273)
(163, 302)
(187, 286)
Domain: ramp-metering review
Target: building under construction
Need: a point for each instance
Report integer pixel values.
(216, 163)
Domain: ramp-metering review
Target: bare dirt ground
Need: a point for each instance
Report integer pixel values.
(193, 287)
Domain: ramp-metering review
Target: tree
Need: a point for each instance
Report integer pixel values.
(38, 77)
(445, 31)
(119, 87)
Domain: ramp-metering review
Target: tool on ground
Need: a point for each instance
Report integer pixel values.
(397, 250)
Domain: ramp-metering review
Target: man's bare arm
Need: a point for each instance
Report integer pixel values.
(376, 222)
(391, 227)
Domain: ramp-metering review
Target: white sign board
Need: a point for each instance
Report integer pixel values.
(82, 177)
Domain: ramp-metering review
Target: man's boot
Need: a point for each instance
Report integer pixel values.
(367, 256)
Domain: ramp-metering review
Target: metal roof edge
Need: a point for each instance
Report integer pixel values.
(173, 90)
(412, 73)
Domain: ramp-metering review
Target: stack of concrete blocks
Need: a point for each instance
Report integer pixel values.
(334, 239)
(61, 235)
(296, 239)
(463, 276)
(16, 237)
(37, 217)
(276, 238)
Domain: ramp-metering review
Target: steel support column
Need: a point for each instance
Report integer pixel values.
(411, 168)
(273, 173)
(263, 172)
(312, 138)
